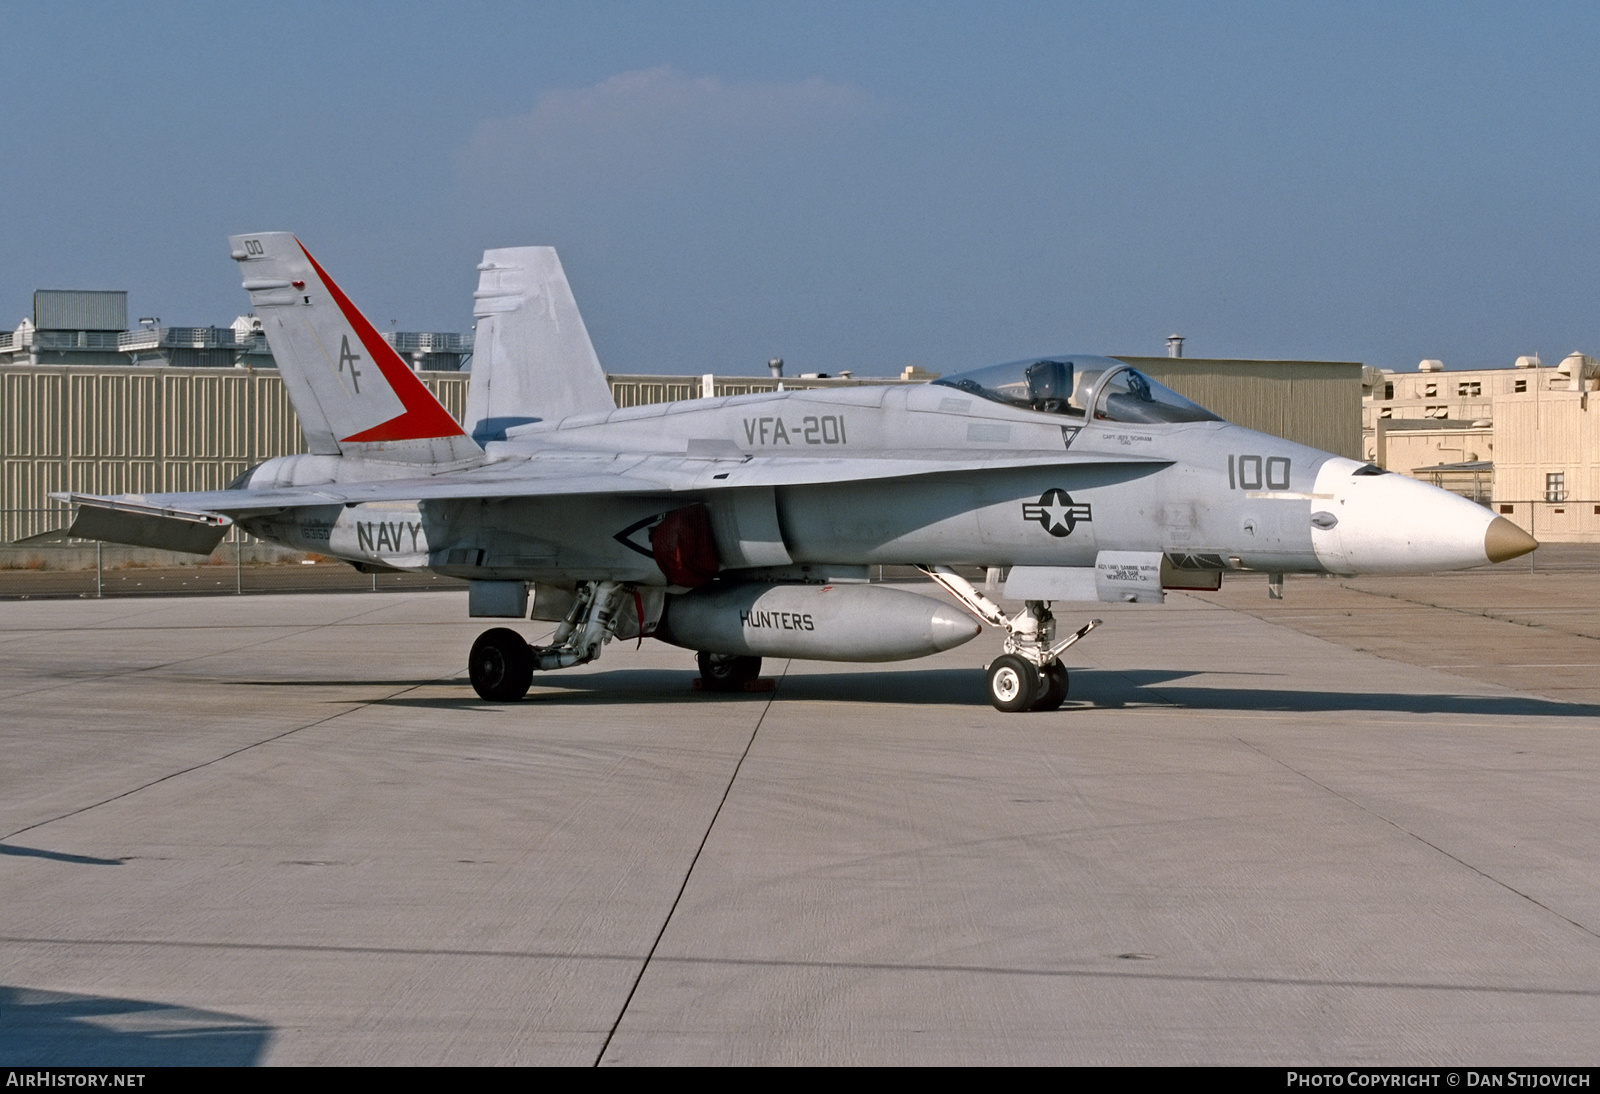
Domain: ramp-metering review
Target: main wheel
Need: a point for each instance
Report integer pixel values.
(727, 671)
(1014, 683)
(1055, 688)
(500, 666)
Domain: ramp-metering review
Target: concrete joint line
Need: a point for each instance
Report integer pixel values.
(1425, 842)
(187, 660)
(1484, 614)
(214, 760)
(687, 874)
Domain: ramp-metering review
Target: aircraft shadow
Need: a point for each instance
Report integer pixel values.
(555, 688)
(926, 687)
(57, 856)
(1089, 689)
(370, 682)
(1105, 688)
(63, 1029)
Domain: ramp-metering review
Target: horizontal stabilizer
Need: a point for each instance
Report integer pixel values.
(147, 525)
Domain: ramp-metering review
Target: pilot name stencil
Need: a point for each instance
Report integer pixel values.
(827, 429)
(1056, 512)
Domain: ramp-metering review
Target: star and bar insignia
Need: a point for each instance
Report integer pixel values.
(1056, 512)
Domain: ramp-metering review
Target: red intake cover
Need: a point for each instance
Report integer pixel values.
(684, 547)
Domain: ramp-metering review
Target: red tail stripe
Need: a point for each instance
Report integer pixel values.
(424, 417)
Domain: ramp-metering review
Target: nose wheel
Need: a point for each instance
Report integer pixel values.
(1054, 690)
(1014, 684)
(500, 665)
(1017, 684)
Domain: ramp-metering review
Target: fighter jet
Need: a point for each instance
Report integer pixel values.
(746, 527)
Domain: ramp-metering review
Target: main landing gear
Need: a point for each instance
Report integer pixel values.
(1029, 674)
(502, 664)
(726, 671)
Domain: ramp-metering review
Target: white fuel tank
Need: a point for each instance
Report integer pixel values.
(814, 622)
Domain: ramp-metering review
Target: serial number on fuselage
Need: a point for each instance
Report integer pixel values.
(812, 429)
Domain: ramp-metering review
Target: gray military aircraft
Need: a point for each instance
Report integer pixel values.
(745, 527)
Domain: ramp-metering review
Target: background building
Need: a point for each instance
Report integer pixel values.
(1523, 440)
(1316, 403)
(69, 327)
(86, 327)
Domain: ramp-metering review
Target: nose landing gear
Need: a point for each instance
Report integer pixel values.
(1029, 675)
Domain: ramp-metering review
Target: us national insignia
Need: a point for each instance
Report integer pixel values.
(1056, 512)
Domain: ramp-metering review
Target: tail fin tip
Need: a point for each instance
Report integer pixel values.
(324, 348)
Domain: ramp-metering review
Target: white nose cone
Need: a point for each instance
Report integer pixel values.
(1384, 523)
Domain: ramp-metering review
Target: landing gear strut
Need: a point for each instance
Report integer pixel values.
(1029, 674)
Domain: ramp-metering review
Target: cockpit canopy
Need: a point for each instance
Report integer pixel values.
(1072, 385)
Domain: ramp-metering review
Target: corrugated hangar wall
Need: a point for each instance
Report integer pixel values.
(120, 429)
(116, 430)
(1316, 403)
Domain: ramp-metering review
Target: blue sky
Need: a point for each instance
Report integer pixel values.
(853, 185)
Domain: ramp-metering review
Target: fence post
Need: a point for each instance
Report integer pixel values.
(99, 586)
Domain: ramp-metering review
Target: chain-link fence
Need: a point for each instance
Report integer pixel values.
(51, 564)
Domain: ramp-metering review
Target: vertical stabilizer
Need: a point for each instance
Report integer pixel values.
(531, 355)
(354, 394)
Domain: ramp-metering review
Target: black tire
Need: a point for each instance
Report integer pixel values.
(500, 666)
(1014, 683)
(1055, 688)
(727, 671)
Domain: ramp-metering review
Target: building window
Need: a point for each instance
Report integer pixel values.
(1469, 389)
(1436, 412)
(1521, 385)
(1386, 412)
(1430, 391)
(1388, 391)
(1555, 486)
(1513, 508)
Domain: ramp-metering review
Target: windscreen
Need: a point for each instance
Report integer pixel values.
(1128, 395)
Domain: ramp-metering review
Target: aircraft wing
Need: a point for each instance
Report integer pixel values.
(577, 474)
